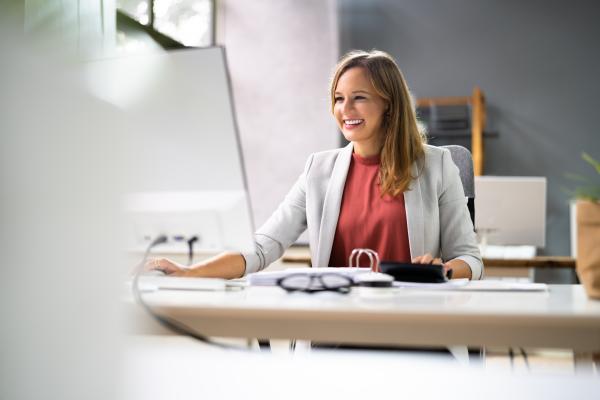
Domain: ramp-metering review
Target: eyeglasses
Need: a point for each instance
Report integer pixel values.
(312, 283)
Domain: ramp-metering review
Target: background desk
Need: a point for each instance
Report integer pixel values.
(563, 317)
(494, 267)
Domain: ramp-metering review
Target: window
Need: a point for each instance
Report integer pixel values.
(189, 22)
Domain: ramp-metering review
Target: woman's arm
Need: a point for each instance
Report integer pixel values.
(281, 230)
(224, 265)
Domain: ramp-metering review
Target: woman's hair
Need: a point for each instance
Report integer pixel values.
(403, 141)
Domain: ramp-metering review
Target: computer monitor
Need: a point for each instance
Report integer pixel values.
(511, 210)
(186, 171)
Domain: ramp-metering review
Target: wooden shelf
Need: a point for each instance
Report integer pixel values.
(535, 262)
(478, 116)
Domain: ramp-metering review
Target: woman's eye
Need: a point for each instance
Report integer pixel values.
(359, 98)
(338, 99)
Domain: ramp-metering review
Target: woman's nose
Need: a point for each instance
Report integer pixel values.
(347, 105)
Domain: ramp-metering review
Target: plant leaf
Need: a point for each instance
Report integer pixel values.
(587, 158)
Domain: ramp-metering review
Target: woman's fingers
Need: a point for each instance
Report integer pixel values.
(424, 259)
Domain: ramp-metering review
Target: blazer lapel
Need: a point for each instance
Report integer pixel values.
(332, 204)
(413, 201)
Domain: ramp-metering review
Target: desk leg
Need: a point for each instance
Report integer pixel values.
(586, 363)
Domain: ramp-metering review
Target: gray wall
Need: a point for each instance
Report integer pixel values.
(536, 61)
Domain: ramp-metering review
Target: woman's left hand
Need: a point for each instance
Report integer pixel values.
(428, 259)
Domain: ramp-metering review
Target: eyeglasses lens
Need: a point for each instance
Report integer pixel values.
(335, 281)
(296, 282)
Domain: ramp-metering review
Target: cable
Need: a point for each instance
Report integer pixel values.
(167, 322)
(525, 359)
(511, 356)
(190, 243)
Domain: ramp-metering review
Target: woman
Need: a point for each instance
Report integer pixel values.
(386, 190)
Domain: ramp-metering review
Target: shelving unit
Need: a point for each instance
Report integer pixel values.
(471, 123)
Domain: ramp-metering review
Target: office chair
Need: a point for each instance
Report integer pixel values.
(463, 160)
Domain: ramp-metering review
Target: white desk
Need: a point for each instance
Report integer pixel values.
(563, 317)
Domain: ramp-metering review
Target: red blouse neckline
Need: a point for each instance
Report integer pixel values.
(371, 160)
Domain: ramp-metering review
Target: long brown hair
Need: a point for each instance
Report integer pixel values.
(403, 141)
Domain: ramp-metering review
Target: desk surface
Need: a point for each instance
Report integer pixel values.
(562, 317)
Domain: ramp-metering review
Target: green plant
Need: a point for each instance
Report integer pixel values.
(588, 188)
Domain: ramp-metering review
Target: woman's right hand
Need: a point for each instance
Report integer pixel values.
(165, 265)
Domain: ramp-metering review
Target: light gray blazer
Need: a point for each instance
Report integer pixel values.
(436, 212)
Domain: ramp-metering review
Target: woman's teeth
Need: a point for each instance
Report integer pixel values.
(353, 121)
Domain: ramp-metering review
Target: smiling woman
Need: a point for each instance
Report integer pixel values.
(359, 111)
(386, 190)
(380, 90)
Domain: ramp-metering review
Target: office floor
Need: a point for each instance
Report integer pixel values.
(536, 361)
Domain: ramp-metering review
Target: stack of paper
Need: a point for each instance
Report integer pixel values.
(490, 285)
(453, 284)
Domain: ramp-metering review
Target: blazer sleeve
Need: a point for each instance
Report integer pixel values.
(458, 238)
(282, 228)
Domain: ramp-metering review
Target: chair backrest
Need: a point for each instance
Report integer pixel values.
(463, 160)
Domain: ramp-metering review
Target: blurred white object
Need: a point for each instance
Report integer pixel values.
(327, 375)
(510, 210)
(61, 172)
(573, 227)
(219, 219)
(180, 283)
(186, 167)
(507, 252)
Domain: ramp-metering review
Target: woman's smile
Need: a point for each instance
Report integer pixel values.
(353, 123)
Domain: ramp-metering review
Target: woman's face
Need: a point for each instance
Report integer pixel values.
(359, 111)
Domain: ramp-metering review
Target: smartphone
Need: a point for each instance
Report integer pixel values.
(409, 272)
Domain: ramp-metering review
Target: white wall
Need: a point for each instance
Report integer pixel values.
(281, 54)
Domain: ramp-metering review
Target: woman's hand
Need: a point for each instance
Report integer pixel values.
(428, 259)
(167, 266)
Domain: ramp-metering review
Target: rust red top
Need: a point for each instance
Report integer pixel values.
(368, 220)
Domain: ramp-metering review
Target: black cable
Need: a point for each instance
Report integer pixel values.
(525, 359)
(190, 243)
(511, 357)
(167, 322)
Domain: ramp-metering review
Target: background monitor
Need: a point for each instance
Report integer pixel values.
(185, 166)
(511, 210)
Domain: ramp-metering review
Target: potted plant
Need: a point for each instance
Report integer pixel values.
(587, 196)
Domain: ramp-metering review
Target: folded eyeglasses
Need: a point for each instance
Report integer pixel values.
(330, 281)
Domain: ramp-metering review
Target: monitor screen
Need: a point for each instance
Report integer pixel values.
(511, 210)
(185, 168)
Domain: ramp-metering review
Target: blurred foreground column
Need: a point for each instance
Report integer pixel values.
(61, 177)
